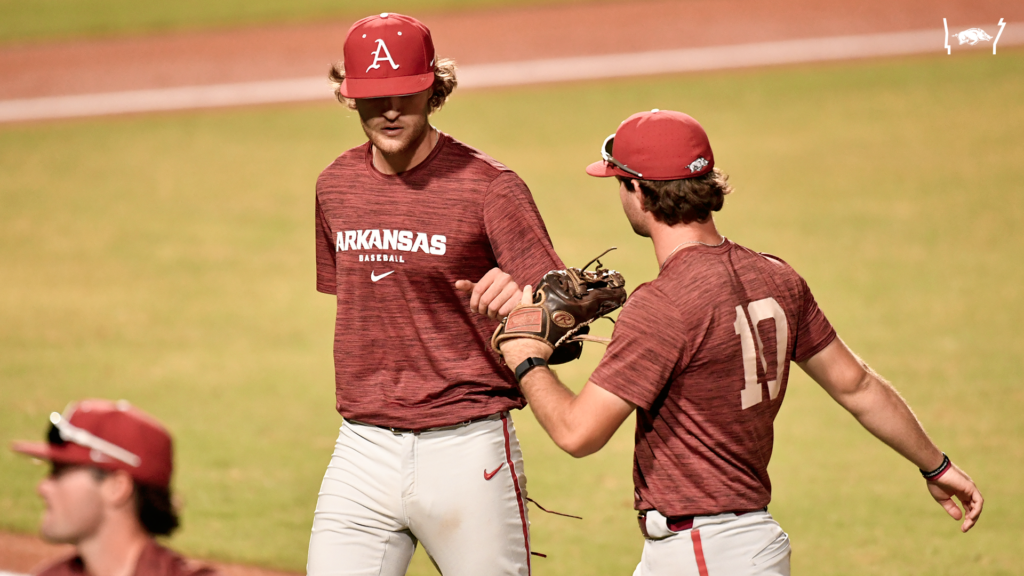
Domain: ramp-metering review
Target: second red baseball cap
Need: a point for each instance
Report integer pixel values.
(387, 55)
(107, 435)
(656, 145)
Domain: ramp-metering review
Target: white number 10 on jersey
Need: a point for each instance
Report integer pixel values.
(760, 310)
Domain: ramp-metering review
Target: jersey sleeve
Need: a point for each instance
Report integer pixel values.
(647, 345)
(517, 234)
(326, 268)
(814, 332)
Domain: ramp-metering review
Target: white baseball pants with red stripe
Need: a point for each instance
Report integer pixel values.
(752, 544)
(461, 492)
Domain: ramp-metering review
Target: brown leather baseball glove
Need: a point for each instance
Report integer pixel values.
(565, 303)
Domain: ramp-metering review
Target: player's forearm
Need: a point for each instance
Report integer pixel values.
(883, 412)
(553, 404)
(875, 404)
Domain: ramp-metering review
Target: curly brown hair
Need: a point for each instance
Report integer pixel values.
(685, 200)
(444, 83)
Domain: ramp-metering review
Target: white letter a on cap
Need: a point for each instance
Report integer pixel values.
(387, 56)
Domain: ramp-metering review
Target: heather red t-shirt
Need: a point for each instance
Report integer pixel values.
(704, 352)
(408, 352)
(155, 560)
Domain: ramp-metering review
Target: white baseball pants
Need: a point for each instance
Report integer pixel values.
(752, 544)
(460, 491)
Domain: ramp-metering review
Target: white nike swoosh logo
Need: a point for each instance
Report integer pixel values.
(374, 277)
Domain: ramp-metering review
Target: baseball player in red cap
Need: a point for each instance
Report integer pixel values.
(427, 452)
(108, 492)
(702, 353)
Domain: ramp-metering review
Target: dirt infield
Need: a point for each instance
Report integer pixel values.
(478, 37)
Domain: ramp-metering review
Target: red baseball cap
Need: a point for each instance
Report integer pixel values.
(387, 55)
(656, 145)
(108, 435)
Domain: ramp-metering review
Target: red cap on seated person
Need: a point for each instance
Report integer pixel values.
(656, 145)
(387, 55)
(107, 435)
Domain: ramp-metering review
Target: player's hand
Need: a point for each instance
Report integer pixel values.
(515, 350)
(957, 483)
(494, 295)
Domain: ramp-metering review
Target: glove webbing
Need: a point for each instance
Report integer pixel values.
(571, 335)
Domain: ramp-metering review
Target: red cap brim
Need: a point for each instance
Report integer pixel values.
(603, 169)
(39, 450)
(383, 87)
(67, 454)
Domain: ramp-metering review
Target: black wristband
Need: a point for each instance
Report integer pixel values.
(527, 365)
(938, 471)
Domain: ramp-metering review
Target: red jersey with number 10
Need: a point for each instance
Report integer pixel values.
(704, 352)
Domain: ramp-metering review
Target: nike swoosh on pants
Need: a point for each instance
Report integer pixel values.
(488, 476)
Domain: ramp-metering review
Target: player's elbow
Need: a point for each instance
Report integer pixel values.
(581, 443)
(856, 395)
(579, 450)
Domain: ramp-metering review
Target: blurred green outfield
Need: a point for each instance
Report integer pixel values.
(168, 259)
(35, 20)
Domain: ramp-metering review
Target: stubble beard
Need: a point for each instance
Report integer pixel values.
(409, 138)
(640, 229)
(63, 530)
(637, 222)
(73, 512)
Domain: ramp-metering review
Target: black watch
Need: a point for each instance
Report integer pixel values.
(527, 365)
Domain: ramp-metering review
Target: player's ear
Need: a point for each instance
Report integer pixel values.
(118, 488)
(639, 195)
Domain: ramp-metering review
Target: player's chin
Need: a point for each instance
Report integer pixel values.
(51, 532)
(392, 142)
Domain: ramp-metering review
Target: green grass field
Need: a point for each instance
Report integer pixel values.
(168, 259)
(35, 20)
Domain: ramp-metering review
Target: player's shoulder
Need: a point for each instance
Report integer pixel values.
(770, 265)
(69, 565)
(770, 262)
(353, 158)
(474, 159)
(648, 299)
(764, 257)
(157, 560)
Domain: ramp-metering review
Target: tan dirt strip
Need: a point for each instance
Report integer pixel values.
(479, 37)
(506, 74)
(290, 56)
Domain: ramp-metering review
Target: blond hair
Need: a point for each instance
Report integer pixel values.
(444, 83)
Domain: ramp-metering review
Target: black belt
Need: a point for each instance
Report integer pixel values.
(394, 430)
(681, 523)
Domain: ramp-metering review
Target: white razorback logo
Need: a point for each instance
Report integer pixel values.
(972, 35)
(377, 57)
(697, 165)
